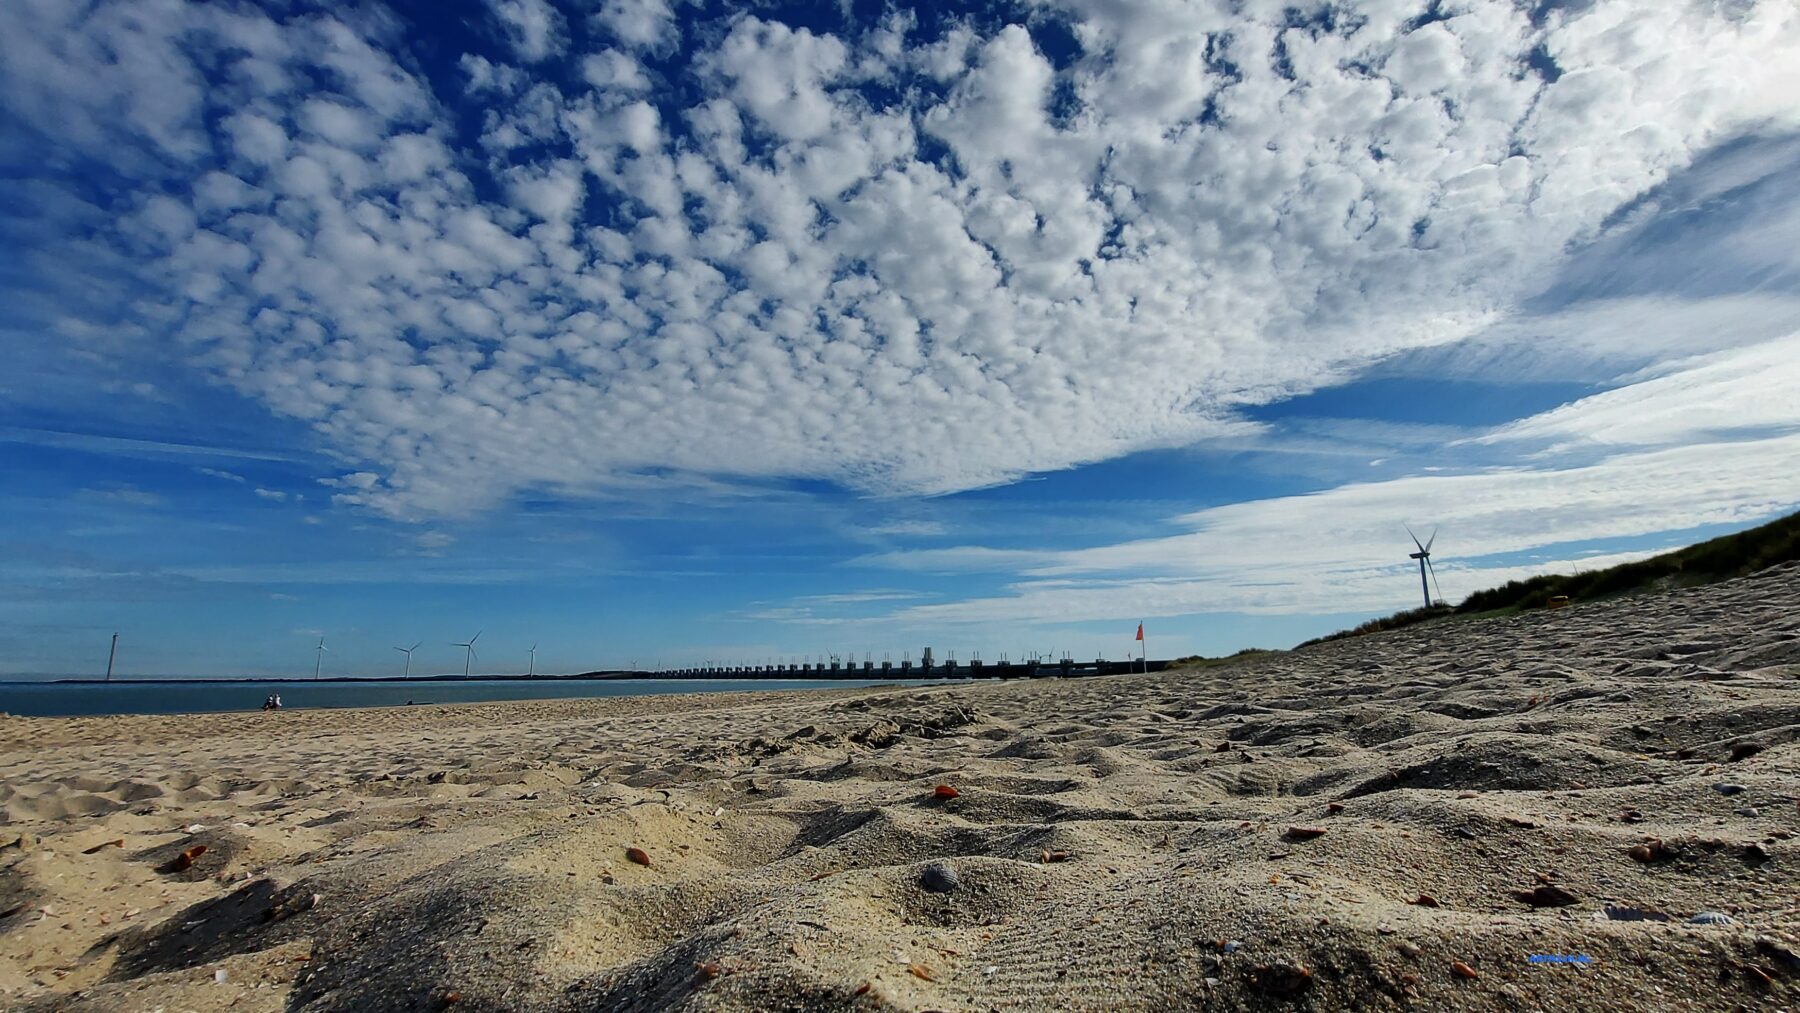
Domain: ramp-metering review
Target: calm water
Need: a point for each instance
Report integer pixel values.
(61, 699)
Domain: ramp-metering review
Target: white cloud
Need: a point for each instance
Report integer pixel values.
(534, 27)
(1680, 402)
(1344, 550)
(767, 272)
(639, 24)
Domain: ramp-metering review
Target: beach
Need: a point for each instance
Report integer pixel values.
(1592, 807)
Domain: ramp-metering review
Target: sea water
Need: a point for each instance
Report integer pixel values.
(68, 699)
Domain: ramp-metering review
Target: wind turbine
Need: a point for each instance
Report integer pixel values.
(408, 652)
(319, 658)
(469, 648)
(1424, 558)
(533, 653)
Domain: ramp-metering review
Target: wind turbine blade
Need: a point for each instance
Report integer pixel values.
(1415, 538)
(1434, 581)
(415, 646)
(402, 650)
(477, 636)
(1428, 541)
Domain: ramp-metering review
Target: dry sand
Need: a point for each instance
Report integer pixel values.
(1119, 843)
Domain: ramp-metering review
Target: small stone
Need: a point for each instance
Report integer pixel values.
(638, 856)
(1727, 788)
(1750, 811)
(1305, 833)
(1409, 950)
(1231, 946)
(939, 877)
(220, 976)
(1710, 918)
(1462, 970)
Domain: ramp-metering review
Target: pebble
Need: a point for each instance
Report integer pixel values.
(1727, 788)
(1750, 811)
(1710, 918)
(1409, 950)
(219, 976)
(939, 877)
(1231, 946)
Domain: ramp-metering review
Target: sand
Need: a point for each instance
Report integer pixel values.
(1392, 822)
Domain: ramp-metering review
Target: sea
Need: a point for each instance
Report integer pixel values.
(67, 699)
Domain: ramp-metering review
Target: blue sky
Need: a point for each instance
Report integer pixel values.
(656, 332)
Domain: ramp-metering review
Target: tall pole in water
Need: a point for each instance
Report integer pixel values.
(1424, 587)
(110, 655)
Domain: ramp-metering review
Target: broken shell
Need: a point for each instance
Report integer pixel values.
(945, 791)
(638, 855)
(708, 969)
(1425, 900)
(1049, 856)
(1305, 833)
(1462, 970)
(922, 972)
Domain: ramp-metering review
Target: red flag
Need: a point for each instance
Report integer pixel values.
(1140, 635)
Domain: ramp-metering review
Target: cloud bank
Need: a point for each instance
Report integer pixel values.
(908, 258)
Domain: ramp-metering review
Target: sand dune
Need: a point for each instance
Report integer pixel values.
(1397, 821)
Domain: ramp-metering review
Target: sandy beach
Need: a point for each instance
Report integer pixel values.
(1388, 822)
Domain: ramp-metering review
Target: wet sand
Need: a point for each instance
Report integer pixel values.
(1398, 821)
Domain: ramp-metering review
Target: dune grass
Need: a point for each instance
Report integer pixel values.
(1702, 563)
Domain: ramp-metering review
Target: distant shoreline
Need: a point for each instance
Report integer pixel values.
(988, 672)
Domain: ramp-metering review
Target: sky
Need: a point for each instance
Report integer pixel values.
(658, 332)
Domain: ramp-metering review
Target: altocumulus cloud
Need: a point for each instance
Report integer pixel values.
(905, 257)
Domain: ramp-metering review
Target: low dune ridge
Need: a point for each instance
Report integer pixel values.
(1398, 821)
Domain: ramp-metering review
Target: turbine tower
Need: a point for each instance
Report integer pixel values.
(533, 653)
(1424, 558)
(319, 658)
(469, 651)
(408, 652)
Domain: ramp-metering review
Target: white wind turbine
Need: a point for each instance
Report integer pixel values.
(319, 658)
(1424, 558)
(408, 652)
(533, 653)
(469, 649)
